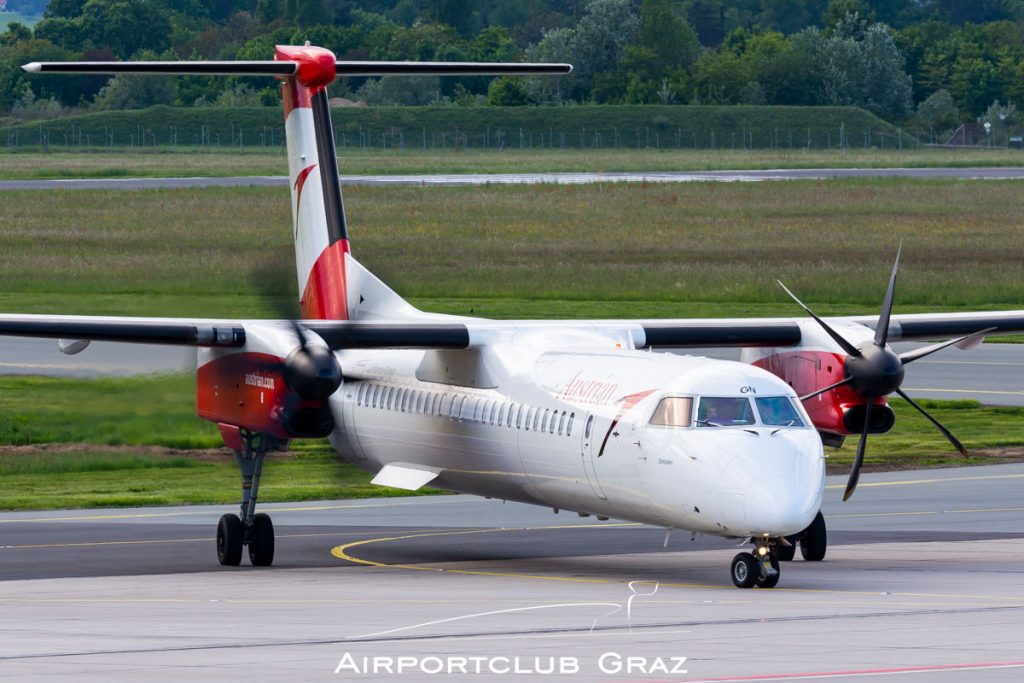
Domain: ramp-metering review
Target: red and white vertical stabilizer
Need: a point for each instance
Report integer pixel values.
(318, 215)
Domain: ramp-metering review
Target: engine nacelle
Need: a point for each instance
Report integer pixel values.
(882, 419)
(255, 388)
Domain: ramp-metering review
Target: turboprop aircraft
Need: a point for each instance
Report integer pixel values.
(575, 415)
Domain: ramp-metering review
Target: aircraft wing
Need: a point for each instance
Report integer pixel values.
(463, 333)
(231, 333)
(925, 326)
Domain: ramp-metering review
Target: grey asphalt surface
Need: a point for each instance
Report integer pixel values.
(922, 581)
(971, 173)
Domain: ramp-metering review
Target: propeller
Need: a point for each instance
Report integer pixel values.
(311, 370)
(874, 370)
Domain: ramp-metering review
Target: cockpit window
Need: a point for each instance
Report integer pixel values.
(673, 411)
(778, 411)
(724, 412)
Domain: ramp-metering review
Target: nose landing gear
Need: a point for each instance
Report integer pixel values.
(251, 529)
(760, 568)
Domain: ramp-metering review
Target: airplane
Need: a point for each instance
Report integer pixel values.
(591, 416)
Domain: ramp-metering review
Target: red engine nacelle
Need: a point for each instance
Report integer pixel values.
(248, 390)
(840, 411)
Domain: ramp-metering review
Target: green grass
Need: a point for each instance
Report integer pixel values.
(707, 249)
(96, 479)
(164, 162)
(137, 441)
(991, 434)
(156, 411)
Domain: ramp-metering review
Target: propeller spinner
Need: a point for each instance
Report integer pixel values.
(874, 370)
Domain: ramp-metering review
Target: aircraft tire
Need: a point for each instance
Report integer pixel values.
(229, 540)
(773, 580)
(261, 547)
(786, 553)
(745, 571)
(814, 540)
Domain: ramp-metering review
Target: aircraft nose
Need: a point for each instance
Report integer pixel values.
(780, 506)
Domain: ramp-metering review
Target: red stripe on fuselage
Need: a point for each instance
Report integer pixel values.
(325, 296)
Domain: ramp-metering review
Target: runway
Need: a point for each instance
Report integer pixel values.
(462, 179)
(922, 581)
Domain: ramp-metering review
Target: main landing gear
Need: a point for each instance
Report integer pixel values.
(251, 529)
(761, 568)
(813, 542)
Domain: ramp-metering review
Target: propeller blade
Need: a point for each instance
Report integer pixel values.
(882, 329)
(968, 340)
(945, 432)
(851, 484)
(828, 388)
(849, 348)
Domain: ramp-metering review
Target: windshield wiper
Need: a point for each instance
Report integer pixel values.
(788, 424)
(707, 423)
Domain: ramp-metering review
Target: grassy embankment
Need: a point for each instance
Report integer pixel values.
(587, 251)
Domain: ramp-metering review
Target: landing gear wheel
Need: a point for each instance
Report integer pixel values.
(786, 553)
(814, 540)
(769, 580)
(745, 570)
(261, 543)
(229, 540)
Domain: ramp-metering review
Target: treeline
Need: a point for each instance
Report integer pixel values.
(934, 63)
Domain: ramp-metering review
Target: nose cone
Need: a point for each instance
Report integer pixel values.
(785, 494)
(781, 506)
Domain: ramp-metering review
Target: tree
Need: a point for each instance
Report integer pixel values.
(666, 46)
(507, 92)
(594, 47)
(125, 26)
(16, 32)
(865, 71)
(938, 111)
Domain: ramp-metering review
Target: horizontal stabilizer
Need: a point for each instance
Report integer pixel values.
(407, 478)
(286, 68)
(249, 68)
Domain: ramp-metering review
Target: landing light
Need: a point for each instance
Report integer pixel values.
(762, 551)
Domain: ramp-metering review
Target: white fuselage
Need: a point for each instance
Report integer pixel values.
(569, 429)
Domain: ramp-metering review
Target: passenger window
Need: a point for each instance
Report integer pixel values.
(544, 420)
(403, 401)
(561, 423)
(359, 394)
(391, 397)
(590, 424)
(519, 416)
(554, 419)
(536, 420)
(446, 405)
(529, 418)
(673, 411)
(494, 412)
(376, 394)
(568, 427)
(502, 412)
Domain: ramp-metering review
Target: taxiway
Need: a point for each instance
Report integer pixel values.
(922, 580)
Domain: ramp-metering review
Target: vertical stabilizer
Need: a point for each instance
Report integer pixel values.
(318, 214)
